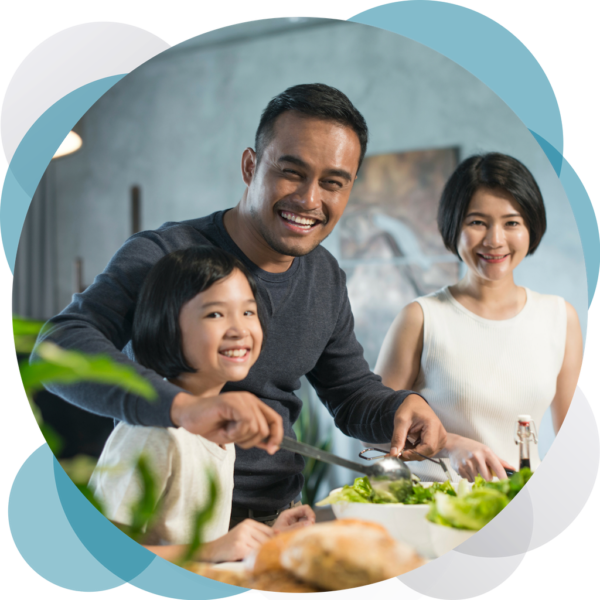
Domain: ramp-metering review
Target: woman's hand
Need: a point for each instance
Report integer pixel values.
(470, 458)
(294, 518)
(240, 541)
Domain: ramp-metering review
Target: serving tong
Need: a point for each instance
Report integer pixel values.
(438, 462)
(385, 469)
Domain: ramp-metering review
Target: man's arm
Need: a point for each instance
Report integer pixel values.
(361, 405)
(99, 321)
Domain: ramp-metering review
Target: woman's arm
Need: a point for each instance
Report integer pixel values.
(569, 372)
(399, 359)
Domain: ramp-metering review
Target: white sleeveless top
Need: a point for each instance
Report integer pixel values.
(478, 374)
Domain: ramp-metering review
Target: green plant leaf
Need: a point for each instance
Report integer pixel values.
(201, 518)
(25, 332)
(147, 508)
(53, 439)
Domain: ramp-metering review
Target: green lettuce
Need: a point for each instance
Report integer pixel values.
(476, 508)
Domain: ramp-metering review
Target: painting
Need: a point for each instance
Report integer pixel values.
(388, 241)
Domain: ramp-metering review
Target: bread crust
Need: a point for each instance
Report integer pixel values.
(335, 557)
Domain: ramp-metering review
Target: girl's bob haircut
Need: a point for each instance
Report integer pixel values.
(493, 171)
(174, 280)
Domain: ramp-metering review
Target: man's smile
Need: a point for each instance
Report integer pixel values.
(297, 222)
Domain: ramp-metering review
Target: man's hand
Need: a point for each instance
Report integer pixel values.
(238, 417)
(294, 518)
(415, 420)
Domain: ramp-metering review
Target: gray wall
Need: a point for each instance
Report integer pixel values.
(177, 127)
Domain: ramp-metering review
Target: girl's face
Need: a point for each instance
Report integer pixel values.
(494, 237)
(221, 332)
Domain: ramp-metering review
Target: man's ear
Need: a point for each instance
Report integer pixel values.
(248, 165)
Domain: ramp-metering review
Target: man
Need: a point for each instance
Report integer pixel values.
(309, 146)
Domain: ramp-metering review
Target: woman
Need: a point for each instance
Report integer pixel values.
(485, 350)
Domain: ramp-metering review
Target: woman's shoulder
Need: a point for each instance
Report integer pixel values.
(548, 301)
(438, 298)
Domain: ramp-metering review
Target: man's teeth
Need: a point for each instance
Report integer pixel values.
(235, 353)
(298, 220)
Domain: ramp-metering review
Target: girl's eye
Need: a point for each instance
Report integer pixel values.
(214, 315)
(249, 313)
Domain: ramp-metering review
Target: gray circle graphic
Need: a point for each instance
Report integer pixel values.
(66, 61)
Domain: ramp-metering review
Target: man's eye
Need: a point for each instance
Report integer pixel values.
(333, 183)
(291, 172)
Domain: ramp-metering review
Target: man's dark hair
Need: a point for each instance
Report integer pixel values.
(174, 280)
(494, 171)
(312, 100)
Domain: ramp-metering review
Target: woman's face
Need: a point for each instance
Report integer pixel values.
(494, 237)
(221, 332)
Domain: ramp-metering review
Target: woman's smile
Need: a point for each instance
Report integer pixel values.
(494, 238)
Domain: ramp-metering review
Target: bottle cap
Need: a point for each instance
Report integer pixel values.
(524, 418)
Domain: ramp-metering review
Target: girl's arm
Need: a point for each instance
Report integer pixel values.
(235, 545)
(569, 372)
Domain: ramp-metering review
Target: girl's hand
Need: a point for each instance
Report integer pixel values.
(470, 458)
(294, 518)
(236, 544)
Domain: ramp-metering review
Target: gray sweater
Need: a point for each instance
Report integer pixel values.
(309, 331)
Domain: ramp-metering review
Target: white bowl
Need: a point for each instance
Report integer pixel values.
(405, 522)
(443, 539)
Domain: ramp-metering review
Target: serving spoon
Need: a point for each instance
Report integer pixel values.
(386, 469)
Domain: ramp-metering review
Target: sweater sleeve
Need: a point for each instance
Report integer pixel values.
(99, 321)
(362, 407)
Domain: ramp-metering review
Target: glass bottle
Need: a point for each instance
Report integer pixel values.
(525, 432)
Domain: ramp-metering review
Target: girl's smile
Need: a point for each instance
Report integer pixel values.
(221, 334)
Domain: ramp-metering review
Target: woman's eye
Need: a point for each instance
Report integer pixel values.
(249, 313)
(513, 223)
(476, 222)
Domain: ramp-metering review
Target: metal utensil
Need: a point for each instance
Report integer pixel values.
(438, 462)
(386, 469)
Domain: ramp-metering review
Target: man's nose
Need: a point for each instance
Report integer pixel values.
(310, 195)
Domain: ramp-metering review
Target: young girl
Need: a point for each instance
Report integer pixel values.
(197, 325)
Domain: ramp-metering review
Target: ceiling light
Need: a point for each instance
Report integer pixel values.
(70, 144)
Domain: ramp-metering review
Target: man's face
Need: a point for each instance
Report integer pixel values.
(300, 188)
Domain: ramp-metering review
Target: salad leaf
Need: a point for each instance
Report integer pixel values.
(471, 511)
(389, 492)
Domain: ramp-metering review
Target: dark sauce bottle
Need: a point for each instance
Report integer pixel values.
(525, 433)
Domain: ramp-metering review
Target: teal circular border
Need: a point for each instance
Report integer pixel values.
(63, 538)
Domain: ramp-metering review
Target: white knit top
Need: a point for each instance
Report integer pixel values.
(479, 374)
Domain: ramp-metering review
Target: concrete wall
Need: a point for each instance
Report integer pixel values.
(177, 127)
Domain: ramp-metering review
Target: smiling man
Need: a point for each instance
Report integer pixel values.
(308, 149)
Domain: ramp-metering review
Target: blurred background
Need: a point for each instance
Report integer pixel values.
(165, 144)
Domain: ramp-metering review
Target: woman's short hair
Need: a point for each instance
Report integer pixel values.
(174, 280)
(494, 171)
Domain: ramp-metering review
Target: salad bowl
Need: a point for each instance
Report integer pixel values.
(405, 522)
